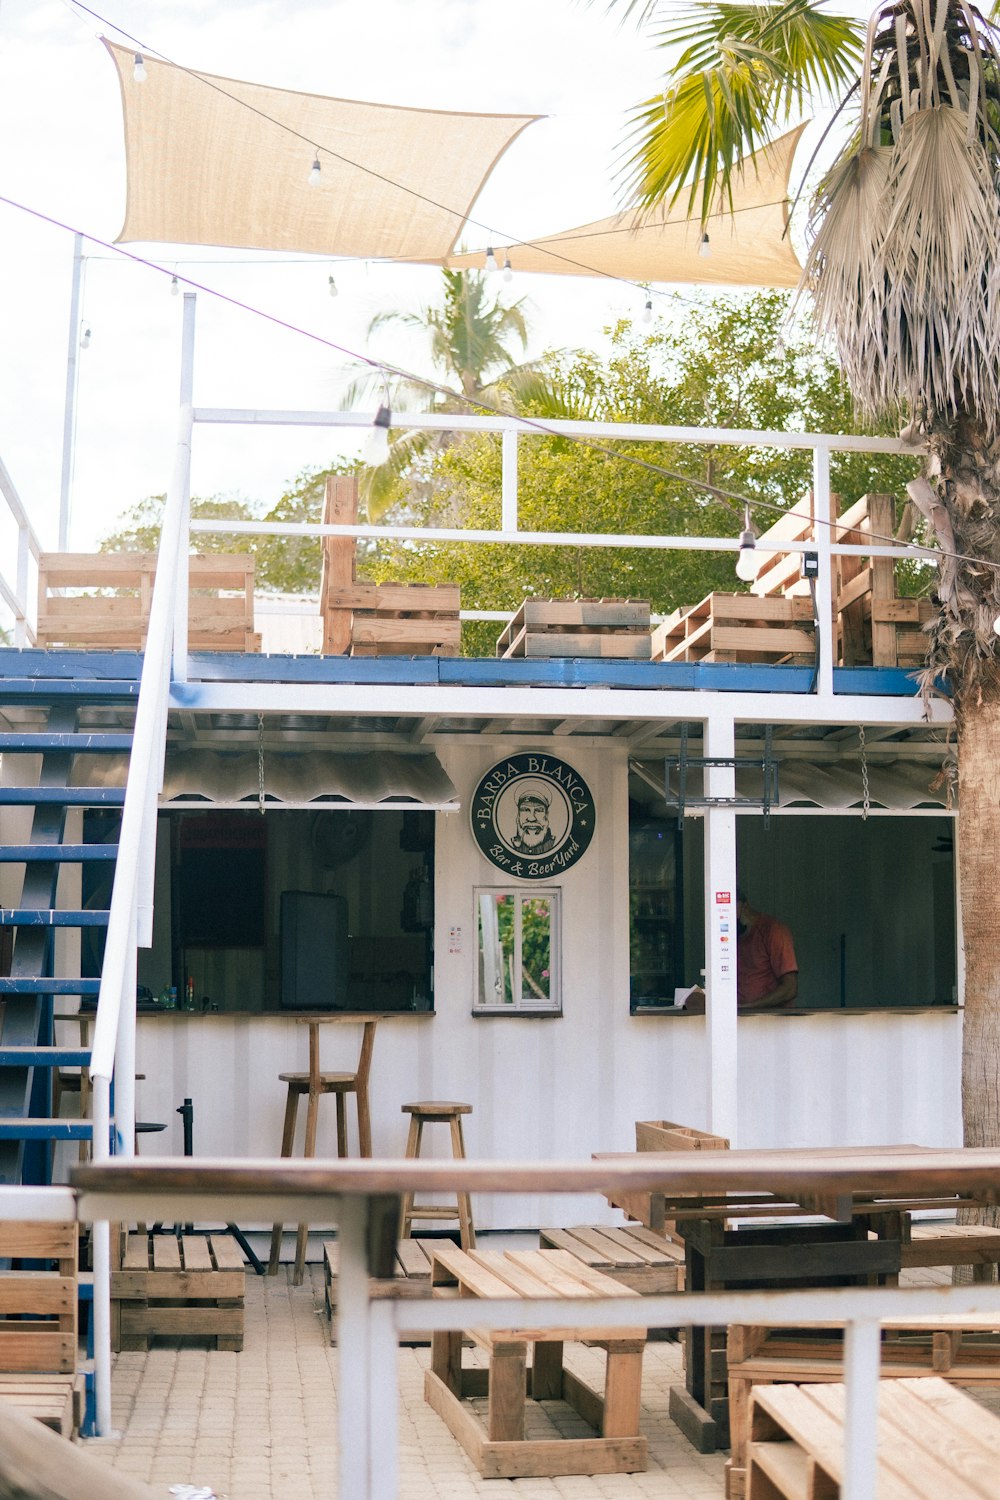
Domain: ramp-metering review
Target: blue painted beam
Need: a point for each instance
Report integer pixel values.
(25, 984)
(83, 741)
(75, 796)
(20, 916)
(15, 854)
(44, 1057)
(46, 1130)
(82, 690)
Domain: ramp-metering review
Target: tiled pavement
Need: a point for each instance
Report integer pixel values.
(262, 1424)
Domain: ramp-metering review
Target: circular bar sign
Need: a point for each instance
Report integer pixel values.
(533, 816)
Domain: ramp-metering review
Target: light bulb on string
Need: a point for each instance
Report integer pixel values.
(376, 449)
(139, 68)
(748, 559)
(85, 337)
(647, 311)
(315, 172)
(996, 625)
(332, 286)
(779, 347)
(175, 285)
(704, 247)
(508, 269)
(491, 260)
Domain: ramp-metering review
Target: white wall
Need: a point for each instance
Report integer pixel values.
(559, 1088)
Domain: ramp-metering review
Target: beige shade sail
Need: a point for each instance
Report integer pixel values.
(748, 246)
(217, 161)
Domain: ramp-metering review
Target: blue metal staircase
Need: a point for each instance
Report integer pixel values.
(28, 1055)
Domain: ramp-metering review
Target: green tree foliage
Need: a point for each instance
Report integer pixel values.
(283, 564)
(725, 364)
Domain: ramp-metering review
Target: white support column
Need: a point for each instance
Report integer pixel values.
(823, 513)
(720, 932)
(862, 1353)
(354, 1363)
(384, 1400)
(182, 474)
(508, 482)
(125, 1059)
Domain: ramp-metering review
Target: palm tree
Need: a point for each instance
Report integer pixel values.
(904, 267)
(470, 336)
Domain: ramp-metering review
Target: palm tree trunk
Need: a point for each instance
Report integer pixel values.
(979, 884)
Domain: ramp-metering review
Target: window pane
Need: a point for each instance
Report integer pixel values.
(496, 948)
(536, 949)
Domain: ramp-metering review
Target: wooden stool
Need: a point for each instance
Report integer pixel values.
(314, 1084)
(427, 1113)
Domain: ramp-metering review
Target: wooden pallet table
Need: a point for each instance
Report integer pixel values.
(578, 627)
(933, 1442)
(636, 1257)
(411, 1278)
(498, 1445)
(171, 1286)
(965, 1351)
(738, 627)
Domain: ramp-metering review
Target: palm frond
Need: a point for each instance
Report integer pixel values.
(742, 69)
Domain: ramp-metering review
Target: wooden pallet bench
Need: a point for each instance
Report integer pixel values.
(635, 1256)
(497, 1443)
(38, 1324)
(578, 627)
(170, 1286)
(378, 619)
(975, 1245)
(965, 1351)
(411, 1278)
(103, 599)
(934, 1443)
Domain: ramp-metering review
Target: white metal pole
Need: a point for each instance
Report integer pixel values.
(720, 932)
(101, 1242)
(125, 1059)
(384, 1399)
(862, 1352)
(181, 664)
(823, 513)
(21, 585)
(354, 1428)
(508, 482)
(69, 410)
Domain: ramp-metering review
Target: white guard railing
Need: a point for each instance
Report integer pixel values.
(513, 430)
(14, 592)
(131, 910)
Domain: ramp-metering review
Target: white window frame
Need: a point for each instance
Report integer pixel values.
(519, 1005)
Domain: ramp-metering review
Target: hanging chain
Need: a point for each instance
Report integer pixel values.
(866, 800)
(260, 763)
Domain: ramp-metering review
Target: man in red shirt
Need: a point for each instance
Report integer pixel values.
(767, 971)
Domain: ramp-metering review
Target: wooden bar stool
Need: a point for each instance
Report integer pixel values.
(430, 1112)
(314, 1085)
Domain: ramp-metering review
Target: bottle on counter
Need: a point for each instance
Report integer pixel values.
(189, 993)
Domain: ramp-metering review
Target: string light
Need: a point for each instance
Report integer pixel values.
(779, 347)
(376, 449)
(85, 337)
(996, 625)
(175, 285)
(331, 286)
(491, 260)
(508, 269)
(748, 559)
(315, 172)
(139, 69)
(705, 248)
(647, 311)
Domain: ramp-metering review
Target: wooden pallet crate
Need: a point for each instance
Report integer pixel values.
(578, 627)
(38, 1308)
(170, 1286)
(738, 628)
(411, 1278)
(110, 594)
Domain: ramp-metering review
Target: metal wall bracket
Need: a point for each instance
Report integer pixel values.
(680, 799)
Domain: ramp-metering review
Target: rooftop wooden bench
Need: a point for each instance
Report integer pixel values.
(934, 1443)
(774, 622)
(578, 627)
(102, 599)
(171, 1286)
(38, 1324)
(965, 1351)
(497, 1445)
(378, 619)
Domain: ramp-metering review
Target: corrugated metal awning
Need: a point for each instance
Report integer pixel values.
(380, 779)
(899, 784)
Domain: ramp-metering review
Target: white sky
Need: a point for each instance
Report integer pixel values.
(63, 156)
